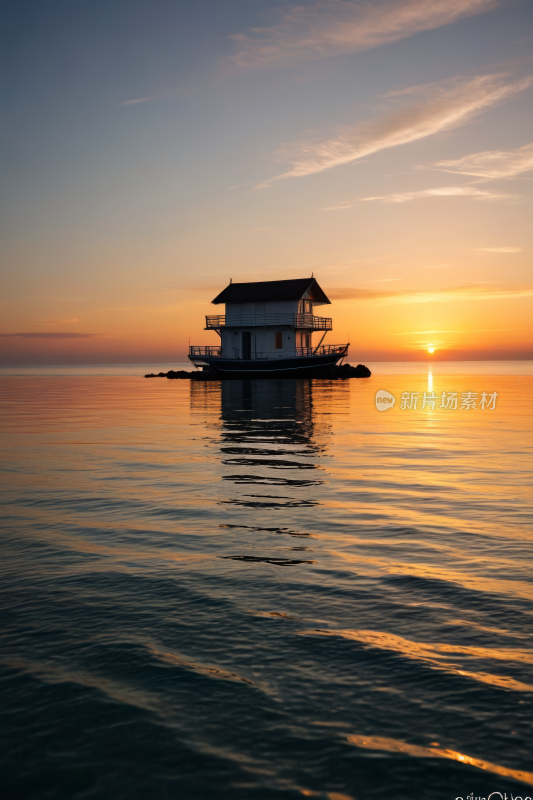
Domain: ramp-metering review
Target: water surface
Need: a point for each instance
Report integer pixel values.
(265, 589)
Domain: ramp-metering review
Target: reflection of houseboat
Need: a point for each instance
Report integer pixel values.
(267, 330)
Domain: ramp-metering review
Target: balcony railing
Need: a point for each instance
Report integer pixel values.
(306, 321)
(211, 352)
(323, 350)
(247, 355)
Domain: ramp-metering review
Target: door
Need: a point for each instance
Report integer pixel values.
(246, 345)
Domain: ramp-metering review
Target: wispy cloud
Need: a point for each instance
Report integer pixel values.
(57, 321)
(135, 101)
(238, 185)
(342, 206)
(467, 291)
(147, 309)
(332, 27)
(444, 191)
(491, 163)
(50, 335)
(474, 330)
(440, 107)
(500, 250)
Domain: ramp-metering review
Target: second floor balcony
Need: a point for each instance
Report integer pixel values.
(297, 321)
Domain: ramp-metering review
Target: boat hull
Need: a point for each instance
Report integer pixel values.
(296, 367)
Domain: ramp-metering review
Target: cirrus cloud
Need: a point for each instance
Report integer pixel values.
(465, 291)
(500, 250)
(441, 107)
(334, 27)
(491, 163)
(136, 101)
(58, 321)
(444, 191)
(50, 335)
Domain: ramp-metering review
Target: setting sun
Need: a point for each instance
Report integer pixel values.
(431, 349)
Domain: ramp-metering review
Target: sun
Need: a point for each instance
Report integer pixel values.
(431, 349)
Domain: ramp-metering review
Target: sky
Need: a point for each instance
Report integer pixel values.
(151, 151)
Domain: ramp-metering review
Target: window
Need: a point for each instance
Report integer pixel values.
(279, 340)
(305, 307)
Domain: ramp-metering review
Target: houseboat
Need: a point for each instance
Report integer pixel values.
(268, 330)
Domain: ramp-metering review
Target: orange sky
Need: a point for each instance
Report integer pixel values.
(387, 153)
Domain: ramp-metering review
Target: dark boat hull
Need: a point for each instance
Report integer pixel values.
(297, 367)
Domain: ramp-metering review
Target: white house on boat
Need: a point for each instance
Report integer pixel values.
(269, 326)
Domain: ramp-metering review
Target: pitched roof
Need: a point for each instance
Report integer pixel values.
(260, 291)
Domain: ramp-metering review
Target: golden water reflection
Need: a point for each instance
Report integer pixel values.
(439, 655)
(397, 746)
(406, 533)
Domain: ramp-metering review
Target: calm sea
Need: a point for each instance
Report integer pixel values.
(266, 589)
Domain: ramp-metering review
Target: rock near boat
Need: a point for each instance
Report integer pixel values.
(347, 371)
(336, 372)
